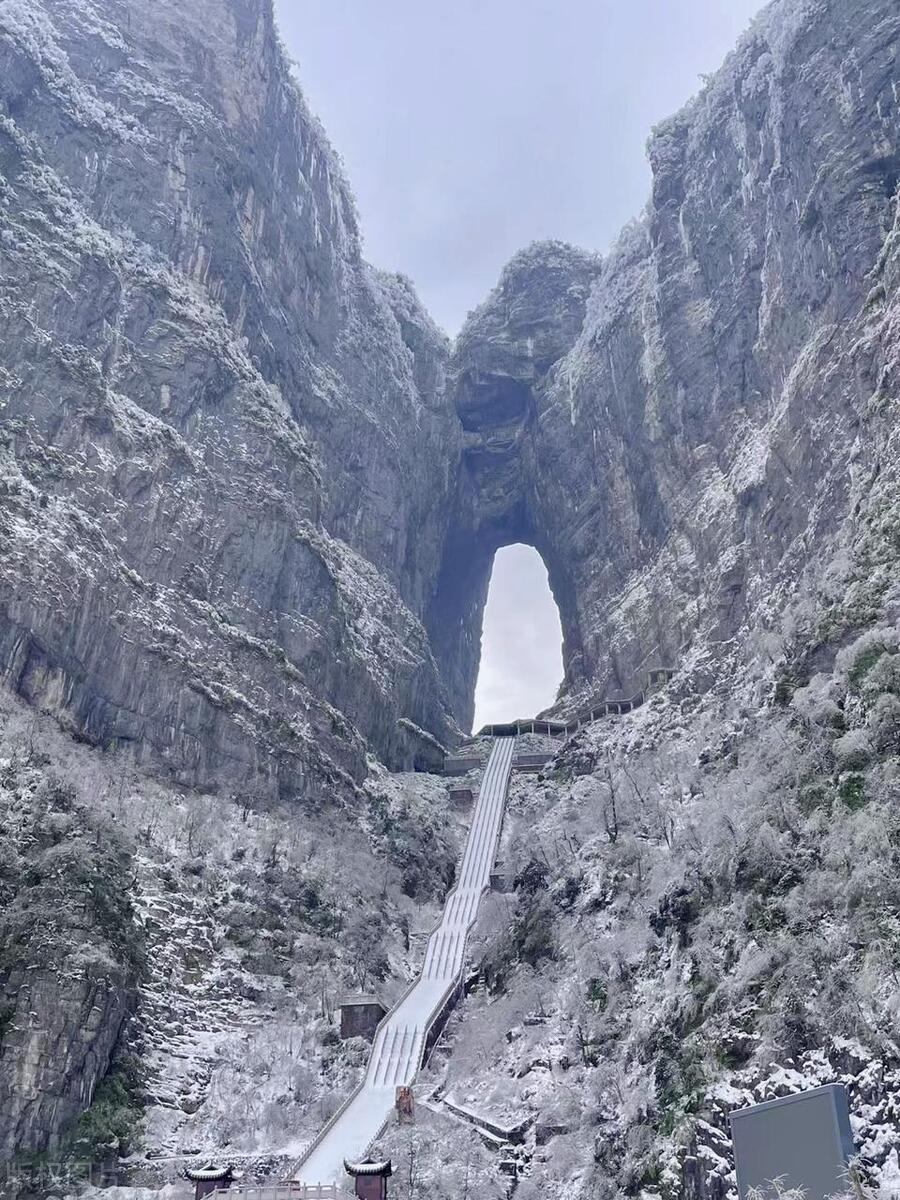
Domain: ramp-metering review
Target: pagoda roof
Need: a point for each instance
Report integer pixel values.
(208, 1173)
(369, 1168)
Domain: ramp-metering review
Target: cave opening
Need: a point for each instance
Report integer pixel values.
(521, 640)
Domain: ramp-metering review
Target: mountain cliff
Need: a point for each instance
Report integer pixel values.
(226, 451)
(250, 501)
(693, 448)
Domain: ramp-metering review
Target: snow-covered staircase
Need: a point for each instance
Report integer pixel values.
(403, 1035)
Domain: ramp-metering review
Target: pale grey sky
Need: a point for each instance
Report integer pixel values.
(521, 646)
(471, 128)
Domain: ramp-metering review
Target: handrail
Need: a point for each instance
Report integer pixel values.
(603, 709)
(429, 1024)
(280, 1191)
(459, 979)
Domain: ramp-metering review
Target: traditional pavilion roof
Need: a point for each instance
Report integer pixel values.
(369, 1168)
(208, 1173)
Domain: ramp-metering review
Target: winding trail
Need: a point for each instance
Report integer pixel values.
(399, 1044)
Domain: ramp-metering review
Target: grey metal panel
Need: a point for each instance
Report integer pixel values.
(803, 1139)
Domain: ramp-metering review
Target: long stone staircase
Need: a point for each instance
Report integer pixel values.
(406, 1033)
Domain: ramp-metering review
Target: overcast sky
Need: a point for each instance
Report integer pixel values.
(469, 128)
(521, 647)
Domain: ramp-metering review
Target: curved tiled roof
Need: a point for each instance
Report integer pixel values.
(369, 1168)
(207, 1173)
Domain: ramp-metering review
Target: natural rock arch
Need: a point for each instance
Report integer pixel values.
(500, 367)
(236, 485)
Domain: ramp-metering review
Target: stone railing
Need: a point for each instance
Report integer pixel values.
(282, 1191)
(461, 764)
(513, 1133)
(603, 708)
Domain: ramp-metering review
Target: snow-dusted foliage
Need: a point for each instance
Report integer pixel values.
(248, 507)
(705, 915)
(212, 937)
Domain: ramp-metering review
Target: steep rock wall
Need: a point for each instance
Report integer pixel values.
(226, 453)
(502, 367)
(237, 483)
(689, 454)
(71, 952)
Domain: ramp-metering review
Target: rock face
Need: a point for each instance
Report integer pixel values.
(58, 1052)
(226, 455)
(681, 456)
(251, 498)
(70, 954)
(502, 369)
(248, 526)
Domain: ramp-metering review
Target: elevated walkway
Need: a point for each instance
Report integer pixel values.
(462, 763)
(603, 708)
(406, 1034)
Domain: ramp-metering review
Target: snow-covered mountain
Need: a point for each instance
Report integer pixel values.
(250, 500)
(227, 452)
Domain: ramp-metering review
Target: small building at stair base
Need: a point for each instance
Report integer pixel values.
(209, 1179)
(370, 1178)
(360, 1016)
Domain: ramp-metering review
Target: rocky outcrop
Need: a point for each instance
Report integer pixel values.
(226, 453)
(71, 954)
(56, 1048)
